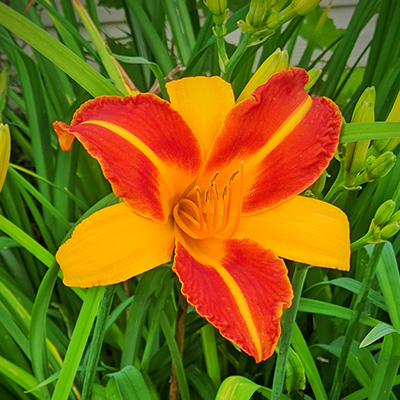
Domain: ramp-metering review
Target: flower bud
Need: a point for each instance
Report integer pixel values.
(389, 230)
(382, 145)
(356, 152)
(256, 26)
(303, 7)
(318, 186)
(395, 217)
(384, 212)
(218, 9)
(380, 167)
(276, 62)
(313, 76)
(5, 147)
(258, 12)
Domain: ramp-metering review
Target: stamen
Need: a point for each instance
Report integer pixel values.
(240, 203)
(200, 208)
(215, 199)
(227, 191)
(208, 209)
(214, 178)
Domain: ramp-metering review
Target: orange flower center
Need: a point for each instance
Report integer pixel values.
(214, 211)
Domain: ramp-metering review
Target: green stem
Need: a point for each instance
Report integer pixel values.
(299, 277)
(353, 323)
(223, 59)
(210, 353)
(97, 341)
(363, 241)
(338, 186)
(236, 57)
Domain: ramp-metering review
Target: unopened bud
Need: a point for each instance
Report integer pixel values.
(218, 9)
(276, 62)
(313, 76)
(382, 145)
(318, 186)
(380, 167)
(5, 148)
(356, 152)
(395, 217)
(258, 13)
(389, 230)
(303, 7)
(384, 212)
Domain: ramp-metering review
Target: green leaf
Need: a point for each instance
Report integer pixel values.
(376, 333)
(78, 343)
(302, 349)
(354, 132)
(328, 34)
(56, 52)
(19, 376)
(131, 384)
(153, 66)
(241, 388)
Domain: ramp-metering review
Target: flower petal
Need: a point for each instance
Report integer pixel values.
(302, 229)
(203, 102)
(239, 287)
(112, 245)
(284, 138)
(145, 149)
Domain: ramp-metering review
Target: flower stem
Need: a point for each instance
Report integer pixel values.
(236, 56)
(179, 338)
(353, 323)
(97, 341)
(338, 186)
(363, 241)
(299, 277)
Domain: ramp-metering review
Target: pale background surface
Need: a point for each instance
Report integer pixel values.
(113, 24)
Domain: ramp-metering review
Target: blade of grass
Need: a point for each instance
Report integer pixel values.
(56, 52)
(78, 342)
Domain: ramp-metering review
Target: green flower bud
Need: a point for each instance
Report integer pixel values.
(380, 167)
(258, 13)
(313, 76)
(382, 145)
(303, 7)
(276, 62)
(5, 147)
(217, 7)
(318, 186)
(395, 217)
(389, 230)
(219, 10)
(356, 152)
(384, 212)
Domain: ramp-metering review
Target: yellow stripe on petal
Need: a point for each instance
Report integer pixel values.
(203, 102)
(133, 140)
(146, 150)
(238, 286)
(113, 245)
(280, 135)
(304, 230)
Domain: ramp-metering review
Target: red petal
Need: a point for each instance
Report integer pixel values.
(239, 287)
(145, 148)
(285, 139)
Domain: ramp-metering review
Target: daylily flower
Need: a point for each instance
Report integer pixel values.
(219, 183)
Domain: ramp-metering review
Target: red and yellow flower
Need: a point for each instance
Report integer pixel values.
(219, 183)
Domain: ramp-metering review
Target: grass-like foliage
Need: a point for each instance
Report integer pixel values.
(340, 338)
